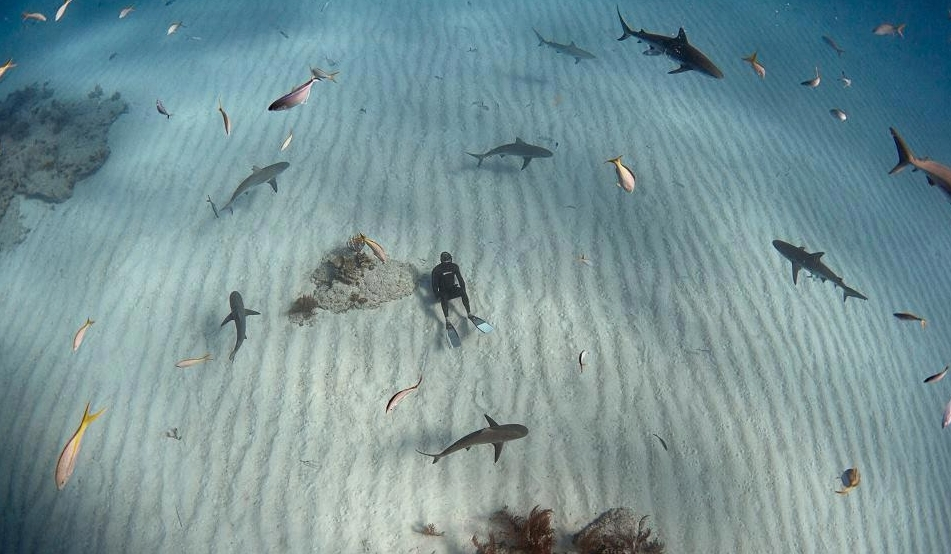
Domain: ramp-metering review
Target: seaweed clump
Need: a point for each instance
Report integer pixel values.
(531, 535)
(303, 309)
(615, 532)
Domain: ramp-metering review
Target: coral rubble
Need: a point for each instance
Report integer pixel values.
(531, 535)
(617, 531)
(346, 280)
(47, 145)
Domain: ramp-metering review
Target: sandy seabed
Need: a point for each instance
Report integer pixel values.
(764, 391)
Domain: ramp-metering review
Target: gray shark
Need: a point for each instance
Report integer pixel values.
(258, 176)
(570, 49)
(676, 48)
(937, 174)
(518, 148)
(494, 434)
(812, 262)
(238, 313)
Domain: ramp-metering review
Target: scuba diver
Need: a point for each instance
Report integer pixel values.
(447, 283)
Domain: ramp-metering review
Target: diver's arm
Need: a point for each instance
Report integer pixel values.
(434, 283)
(462, 282)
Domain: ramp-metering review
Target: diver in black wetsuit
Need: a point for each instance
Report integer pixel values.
(448, 283)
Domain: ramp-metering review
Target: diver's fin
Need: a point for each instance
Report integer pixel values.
(481, 324)
(453, 336)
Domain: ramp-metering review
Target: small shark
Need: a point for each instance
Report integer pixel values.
(571, 49)
(812, 262)
(258, 176)
(937, 174)
(238, 314)
(518, 148)
(676, 48)
(495, 434)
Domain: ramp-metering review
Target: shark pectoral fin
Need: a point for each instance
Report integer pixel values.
(273, 183)
(251, 312)
(651, 51)
(795, 273)
(525, 161)
(498, 449)
(681, 69)
(227, 319)
(491, 421)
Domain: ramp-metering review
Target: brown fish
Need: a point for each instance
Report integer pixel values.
(937, 376)
(402, 394)
(293, 98)
(224, 116)
(161, 109)
(852, 477)
(907, 316)
(754, 63)
(828, 40)
(67, 459)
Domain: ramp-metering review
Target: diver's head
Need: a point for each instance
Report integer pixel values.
(445, 257)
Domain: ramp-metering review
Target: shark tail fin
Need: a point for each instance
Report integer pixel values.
(541, 40)
(479, 157)
(628, 32)
(849, 291)
(435, 457)
(905, 155)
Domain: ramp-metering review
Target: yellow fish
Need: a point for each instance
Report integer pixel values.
(757, 67)
(6, 66)
(67, 460)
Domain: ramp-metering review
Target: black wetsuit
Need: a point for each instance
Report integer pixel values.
(448, 283)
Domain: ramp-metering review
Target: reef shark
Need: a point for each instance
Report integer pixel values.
(258, 176)
(676, 48)
(570, 49)
(812, 262)
(495, 434)
(238, 315)
(518, 148)
(937, 174)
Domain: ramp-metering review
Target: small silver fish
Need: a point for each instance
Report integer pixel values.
(174, 27)
(937, 376)
(61, 10)
(126, 11)
(161, 109)
(846, 81)
(946, 418)
(838, 114)
(287, 141)
(625, 177)
(582, 357)
(888, 29)
(188, 362)
(813, 83)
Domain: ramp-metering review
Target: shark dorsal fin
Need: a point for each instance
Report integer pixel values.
(572, 43)
(517, 141)
(814, 257)
(682, 35)
(255, 169)
(491, 421)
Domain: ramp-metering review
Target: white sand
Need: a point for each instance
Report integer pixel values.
(764, 391)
